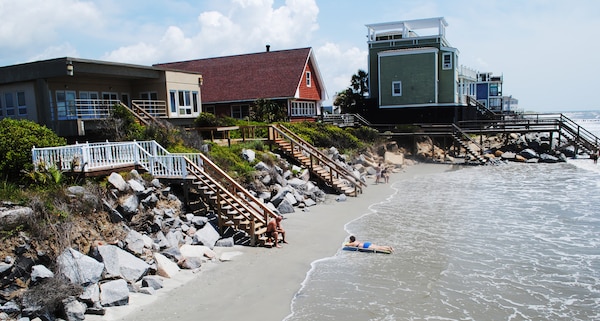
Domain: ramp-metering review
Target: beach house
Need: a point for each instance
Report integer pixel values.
(72, 96)
(414, 74)
(290, 78)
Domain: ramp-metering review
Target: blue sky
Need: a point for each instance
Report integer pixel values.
(545, 50)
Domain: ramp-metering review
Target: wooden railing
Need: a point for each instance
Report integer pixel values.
(316, 157)
(152, 157)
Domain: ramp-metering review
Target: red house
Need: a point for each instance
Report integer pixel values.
(231, 84)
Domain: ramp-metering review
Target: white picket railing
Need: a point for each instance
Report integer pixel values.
(88, 157)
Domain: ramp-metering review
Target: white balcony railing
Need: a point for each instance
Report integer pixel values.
(102, 108)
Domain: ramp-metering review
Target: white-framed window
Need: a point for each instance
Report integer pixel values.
(447, 60)
(173, 100)
(240, 111)
(308, 80)
(303, 108)
(185, 102)
(89, 104)
(65, 104)
(195, 101)
(396, 88)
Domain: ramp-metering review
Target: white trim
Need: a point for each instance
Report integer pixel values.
(400, 52)
(447, 66)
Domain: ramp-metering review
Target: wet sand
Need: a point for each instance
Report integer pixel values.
(260, 283)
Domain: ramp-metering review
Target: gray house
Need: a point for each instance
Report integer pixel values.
(71, 95)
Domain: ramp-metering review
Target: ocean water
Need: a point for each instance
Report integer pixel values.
(509, 242)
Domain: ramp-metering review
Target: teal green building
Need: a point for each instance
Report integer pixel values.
(414, 74)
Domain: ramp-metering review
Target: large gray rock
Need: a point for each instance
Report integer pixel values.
(12, 215)
(78, 268)
(285, 207)
(196, 251)
(122, 264)
(130, 205)
(136, 186)
(118, 182)
(39, 272)
(136, 242)
(248, 155)
(207, 236)
(91, 293)
(73, 309)
(165, 267)
(152, 281)
(114, 293)
(10, 307)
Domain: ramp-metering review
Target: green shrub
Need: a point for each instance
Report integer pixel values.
(17, 137)
(206, 120)
(230, 160)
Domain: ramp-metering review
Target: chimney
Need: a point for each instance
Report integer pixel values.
(268, 48)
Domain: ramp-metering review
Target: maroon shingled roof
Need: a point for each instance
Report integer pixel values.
(273, 74)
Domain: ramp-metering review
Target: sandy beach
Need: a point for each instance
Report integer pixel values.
(260, 283)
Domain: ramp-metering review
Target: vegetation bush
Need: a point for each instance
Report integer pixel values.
(325, 136)
(230, 160)
(18, 137)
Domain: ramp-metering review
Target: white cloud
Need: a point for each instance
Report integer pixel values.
(62, 50)
(27, 22)
(338, 64)
(248, 25)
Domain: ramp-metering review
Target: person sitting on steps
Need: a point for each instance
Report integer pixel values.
(274, 229)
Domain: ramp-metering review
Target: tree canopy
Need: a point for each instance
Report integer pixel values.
(353, 98)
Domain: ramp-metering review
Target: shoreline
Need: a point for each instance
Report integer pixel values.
(260, 283)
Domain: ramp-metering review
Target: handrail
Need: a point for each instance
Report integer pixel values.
(455, 129)
(308, 145)
(156, 160)
(143, 112)
(321, 160)
(236, 187)
(244, 204)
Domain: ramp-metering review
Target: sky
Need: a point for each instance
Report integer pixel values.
(544, 49)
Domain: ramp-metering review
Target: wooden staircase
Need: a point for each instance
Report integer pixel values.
(212, 190)
(466, 142)
(321, 166)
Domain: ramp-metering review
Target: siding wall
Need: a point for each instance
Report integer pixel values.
(314, 91)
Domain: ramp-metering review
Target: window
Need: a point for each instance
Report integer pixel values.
(185, 102)
(65, 104)
(209, 109)
(89, 106)
(396, 88)
(447, 60)
(172, 94)
(495, 104)
(195, 101)
(494, 90)
(303, 108)
(21, 103)
(240, 111)
(1, 112)
(10, 104)
(308, 79)
(150, 95)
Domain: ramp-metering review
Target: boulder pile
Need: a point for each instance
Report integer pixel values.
(159, 238)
